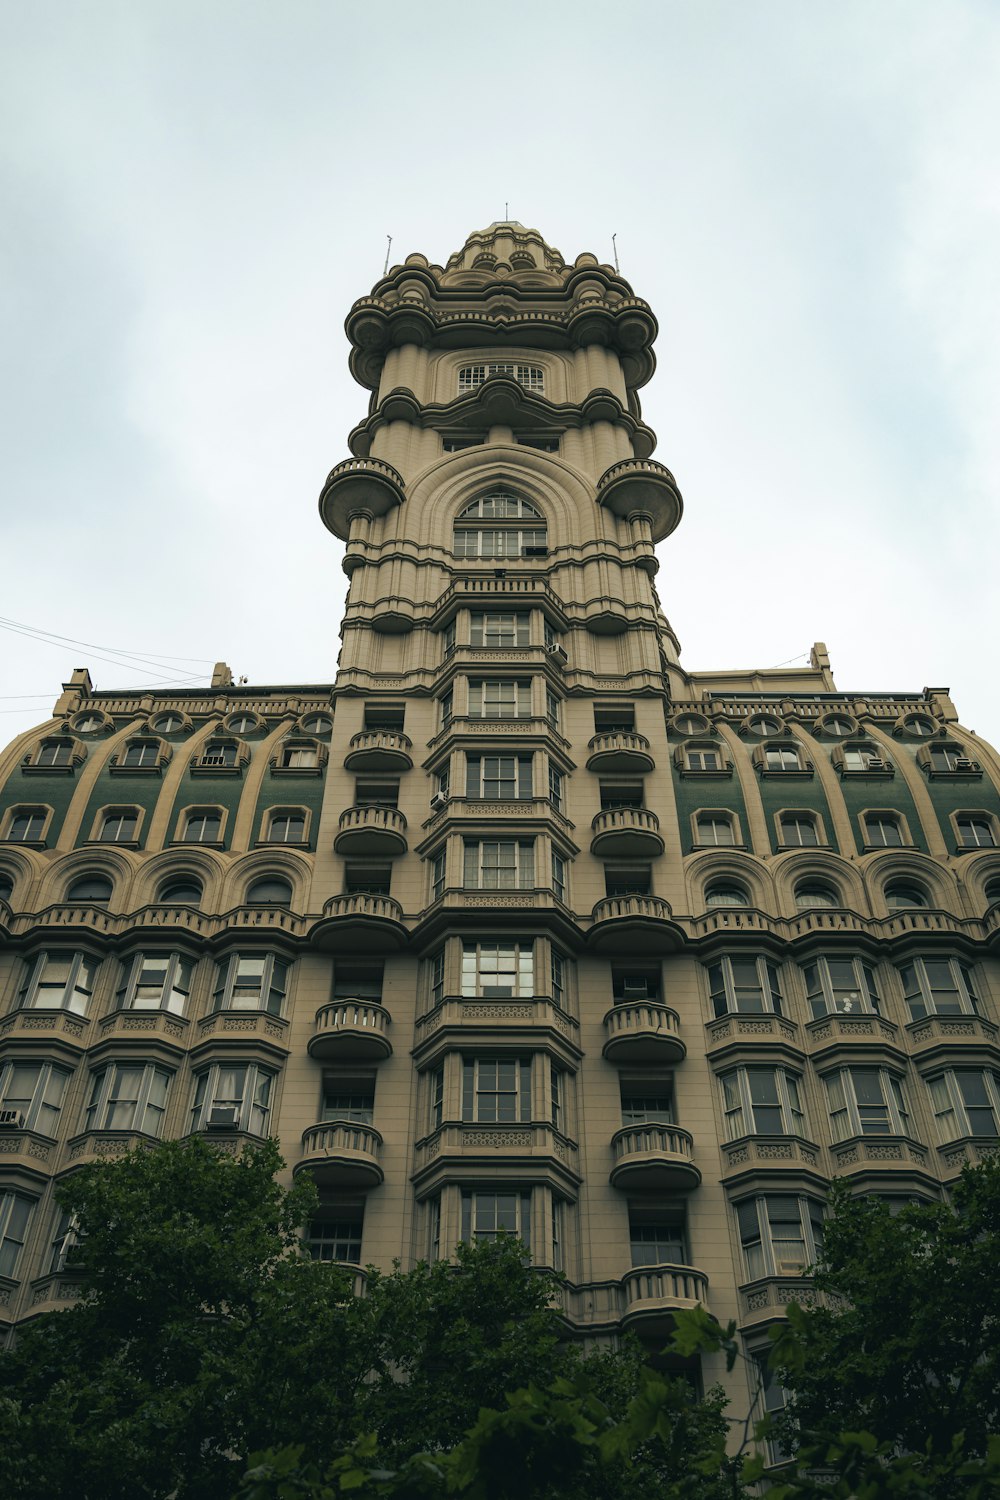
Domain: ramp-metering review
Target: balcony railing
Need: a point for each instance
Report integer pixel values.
(351, 1029)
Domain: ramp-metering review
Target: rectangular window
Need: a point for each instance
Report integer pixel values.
(882, 831)
(556, 1096)
(66, 1240)
(488, 1215)
(369, 792)
(866, 1101)
(781, 758)
(633, 882)
(35, 1092)
(772, 1396)
(126, 1097)
(156, 981)
(348, 1098)
(559, 876)
(552, 708)
(141, 754)
(558, 1217)
(252, 981)
(497, 970)
(500, 700)
(631, 986)
(556, 783)
(656, 1235)
(300, 758)
(362, 879)
(437, 875)
(500, 628)
(939, 987)
(647, 1102)
(748, 986)
(966, 1102)
(436, 1082)
(449, 639)
(620, 794)
(761, 1101)
(335, 1232)
(614, 718)
(499, 865)
(389, 717)
(558, 974)
(436, 966)
(232, 1097)
(498, 778)
(447, 708)
(703, 760)
(60, 981)
(15, 1216)
(841, 986)
(358, 981)
(496, 1090)
(781, 1234)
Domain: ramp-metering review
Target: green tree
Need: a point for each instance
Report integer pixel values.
(907, 1347)
(205, 1334)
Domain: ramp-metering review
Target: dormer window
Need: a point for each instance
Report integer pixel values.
(500, 525)
(532, 377)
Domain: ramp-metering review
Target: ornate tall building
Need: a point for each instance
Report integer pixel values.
(517, 924)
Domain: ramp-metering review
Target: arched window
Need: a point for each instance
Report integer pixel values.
(499, 525)
(992, 892)
(810, 895)
(270, 890)
(726, 893)
(93, 888)
(7, 887)
(902, 895)
(185, 890)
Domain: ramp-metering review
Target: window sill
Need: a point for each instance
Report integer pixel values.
(283, 844)
(975, 848)
(156, 770)
(196, 769)
(786, 773)
(32, 770)
(25, 843)
(975, 773)
(878, 773)
(294, 771)
(739, 845)
(194, 844)
(720, 773)
(782, 848)
(112, 844)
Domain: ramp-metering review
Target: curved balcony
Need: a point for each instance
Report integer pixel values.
(645, 486)
(619, 751)
(379, 750)
(351, 1030)
(640, 924)
(654, 1158)
(360, 923)
(359, 484)
(652, 1295)
(371, 830)
(626, 833)
(643, 1032)
(342, 1154)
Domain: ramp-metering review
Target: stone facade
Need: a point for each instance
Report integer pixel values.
(516, 923)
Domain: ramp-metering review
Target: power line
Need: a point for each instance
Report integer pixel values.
(118, 650)
(119, 659)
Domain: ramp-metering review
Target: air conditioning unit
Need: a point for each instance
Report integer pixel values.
(964, 764)
(227, 1118)
(11, 1119)
(439, 800)
(873, 763)
(556, 650)
(534, 551)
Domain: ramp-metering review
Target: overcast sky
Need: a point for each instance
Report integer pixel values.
(193, 194)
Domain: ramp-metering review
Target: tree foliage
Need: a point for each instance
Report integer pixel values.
(205, 1334)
